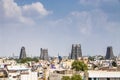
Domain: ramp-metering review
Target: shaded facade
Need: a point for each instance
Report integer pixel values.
(76, 51)
(22, 53)
(109, 53)
(44, 54)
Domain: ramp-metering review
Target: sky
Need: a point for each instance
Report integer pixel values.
(57, 24)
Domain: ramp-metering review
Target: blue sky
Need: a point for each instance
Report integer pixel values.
(56, 25)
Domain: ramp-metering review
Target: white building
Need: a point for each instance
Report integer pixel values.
(104, 75)
(21, 73)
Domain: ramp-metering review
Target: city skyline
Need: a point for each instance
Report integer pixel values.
(75, 51)
(94, 24)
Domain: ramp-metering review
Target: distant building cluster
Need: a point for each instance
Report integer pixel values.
(76, 52)
(54, 68)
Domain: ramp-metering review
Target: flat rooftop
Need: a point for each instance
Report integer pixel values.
(104, 74)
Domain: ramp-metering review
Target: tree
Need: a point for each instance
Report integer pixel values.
(65, 78)
(73, 77)
(76, 77)
(91, 58)
(79, 66)
(35, 59)
(24, 60)
(114, 64)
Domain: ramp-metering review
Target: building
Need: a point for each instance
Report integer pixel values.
(22, 53)
(109, 53)
(20, 72)
(104, 75)
(44, 54)
(76, 51)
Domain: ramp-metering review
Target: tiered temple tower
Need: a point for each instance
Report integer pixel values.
(109, 53)
(22, 53)
(76, 51)
(44, 54)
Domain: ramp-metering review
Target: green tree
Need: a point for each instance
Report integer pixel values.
(79, 66)
(76, 77)
(35, 59)
(23, 60)
(65, 78)
(114, 64)
(91, 58)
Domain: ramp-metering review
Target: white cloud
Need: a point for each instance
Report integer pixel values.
(79, 22)
(86, 22)
(11, 12)
(76, 27)
(11, 9)
(35, 9)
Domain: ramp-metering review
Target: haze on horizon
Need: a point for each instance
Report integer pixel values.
(57, 24)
